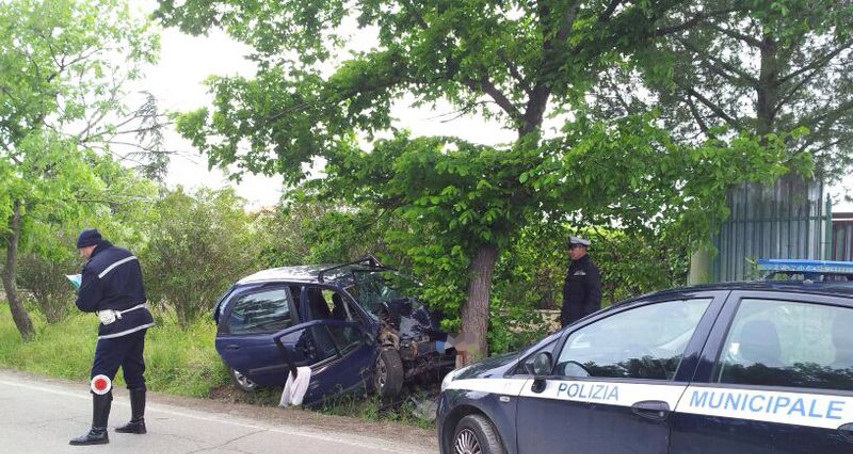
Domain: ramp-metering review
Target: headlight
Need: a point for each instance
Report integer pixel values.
(451, 376)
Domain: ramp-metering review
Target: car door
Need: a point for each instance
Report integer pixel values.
(776, 376)
(248, 318)
(617, 378)
(337, 345)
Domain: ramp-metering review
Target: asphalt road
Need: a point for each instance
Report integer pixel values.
(39, 415)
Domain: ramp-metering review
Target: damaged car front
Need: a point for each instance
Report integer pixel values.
(406, 329)
(355, 326)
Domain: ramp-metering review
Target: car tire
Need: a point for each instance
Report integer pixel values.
(476, 434)
(242, 382)
(388, 374)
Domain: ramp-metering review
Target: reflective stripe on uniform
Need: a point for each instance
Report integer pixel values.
(111, 267)
(126, 332)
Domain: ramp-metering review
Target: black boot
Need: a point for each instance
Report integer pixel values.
(97, 435)
(137, 413)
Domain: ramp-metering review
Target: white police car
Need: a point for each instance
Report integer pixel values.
(758, 367)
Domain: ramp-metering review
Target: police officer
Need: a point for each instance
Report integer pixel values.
(112, 288)
(582, 285)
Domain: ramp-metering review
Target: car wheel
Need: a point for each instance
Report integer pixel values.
(242, 382)
(474, 434)
(388, 374)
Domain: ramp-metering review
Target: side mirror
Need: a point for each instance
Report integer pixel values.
(540, 367)
(542, 363)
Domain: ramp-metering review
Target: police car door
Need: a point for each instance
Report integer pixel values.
(616, 379)
(776, 376)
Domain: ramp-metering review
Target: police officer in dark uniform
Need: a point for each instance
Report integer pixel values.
(112, 288)
(582, 285)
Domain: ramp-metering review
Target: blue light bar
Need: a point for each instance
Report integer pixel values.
(805, 266)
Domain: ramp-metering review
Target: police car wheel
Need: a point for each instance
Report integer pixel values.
(388, 374)
(474, 434)
(242, 382)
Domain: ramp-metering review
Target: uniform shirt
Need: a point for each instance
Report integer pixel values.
(112, 279)
(581, 290)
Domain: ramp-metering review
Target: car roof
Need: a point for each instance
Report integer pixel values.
(301, 273)
(336, 274)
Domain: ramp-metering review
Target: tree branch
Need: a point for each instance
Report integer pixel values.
(749, 40)
(719, 66)
(733, 122)
(513, 71)
(828, 116)
(698, 116)
(818, 62)
(694, 21)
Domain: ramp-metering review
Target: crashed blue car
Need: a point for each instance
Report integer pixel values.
(355, 325)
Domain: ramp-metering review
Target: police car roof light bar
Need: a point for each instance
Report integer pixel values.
(805, 266)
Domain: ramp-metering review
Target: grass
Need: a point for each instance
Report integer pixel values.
(178, 361)
(373, 408)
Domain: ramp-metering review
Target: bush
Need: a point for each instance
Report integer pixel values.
(44, 279)
(197, 248)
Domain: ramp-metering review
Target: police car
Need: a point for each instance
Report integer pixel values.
(757, 367)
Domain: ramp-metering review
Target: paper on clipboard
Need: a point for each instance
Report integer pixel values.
(75, 279)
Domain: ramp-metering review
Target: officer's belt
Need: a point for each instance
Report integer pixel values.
(108, 316)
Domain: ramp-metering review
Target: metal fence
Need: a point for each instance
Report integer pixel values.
(790, 219)
(842, 236)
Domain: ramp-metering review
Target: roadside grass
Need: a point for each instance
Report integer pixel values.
(178, 361)
(373, 408)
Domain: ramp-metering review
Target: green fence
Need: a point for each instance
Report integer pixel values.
(842, 236)
(790, 219)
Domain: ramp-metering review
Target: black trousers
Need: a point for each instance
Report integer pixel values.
(125, 352)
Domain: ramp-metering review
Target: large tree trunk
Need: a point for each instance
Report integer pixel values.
(19, 314)
(475, 310)
(768, 89)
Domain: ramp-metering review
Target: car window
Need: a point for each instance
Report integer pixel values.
(259, 312)
(321, 342)
(788, 343)
(372, 288)
(643, 342)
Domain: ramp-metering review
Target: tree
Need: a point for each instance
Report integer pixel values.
(514, 62)
(764, 67)
(198, 246)
(64, 64)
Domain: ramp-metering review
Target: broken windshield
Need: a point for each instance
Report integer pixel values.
(372, 288)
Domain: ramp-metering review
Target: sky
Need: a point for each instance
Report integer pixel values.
(186, 61)
(177, 82)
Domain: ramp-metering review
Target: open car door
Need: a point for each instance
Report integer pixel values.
(340, 353)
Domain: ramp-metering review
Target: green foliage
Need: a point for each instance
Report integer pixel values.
(761, 67)
(198, 246)
(45, 280)
(516, 63)
(63, 63)
(306, 230)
